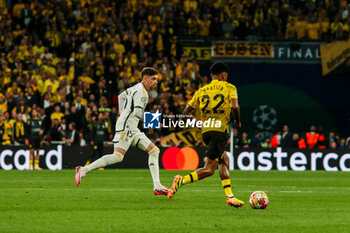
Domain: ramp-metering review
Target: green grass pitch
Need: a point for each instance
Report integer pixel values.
(123, 201)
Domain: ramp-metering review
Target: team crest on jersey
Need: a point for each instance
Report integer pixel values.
(151, 120)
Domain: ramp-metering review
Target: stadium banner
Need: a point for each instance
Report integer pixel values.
(17, 157)
(67, 157)
(281, 159)
(240, 49)
(201, 53)
(183, 158)
(283, 52)
(334, 57)
(297, 52)
(188, 136)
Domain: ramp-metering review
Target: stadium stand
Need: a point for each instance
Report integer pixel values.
(70, 59)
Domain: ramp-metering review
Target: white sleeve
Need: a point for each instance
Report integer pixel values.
(121, 101)
(140, 103)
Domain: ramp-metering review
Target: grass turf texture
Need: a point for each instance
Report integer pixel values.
(123, 201)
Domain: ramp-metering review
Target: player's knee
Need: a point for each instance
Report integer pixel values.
(119, 155)
(154, 150)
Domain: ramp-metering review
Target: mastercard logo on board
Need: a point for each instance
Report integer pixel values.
(185, 158)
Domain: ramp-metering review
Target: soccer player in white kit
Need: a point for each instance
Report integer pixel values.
(132, 103)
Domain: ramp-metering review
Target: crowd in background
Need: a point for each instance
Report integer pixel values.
(69, 59)
(237, 19)
(315, 138)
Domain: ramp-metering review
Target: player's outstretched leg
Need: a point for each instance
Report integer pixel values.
(207, 170)
(104, 161)
(226, 183)
(153, 164)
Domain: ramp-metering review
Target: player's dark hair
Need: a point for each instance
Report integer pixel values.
(148, 71)
(218, 68)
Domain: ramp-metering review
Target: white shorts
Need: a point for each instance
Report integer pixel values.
(126, 138)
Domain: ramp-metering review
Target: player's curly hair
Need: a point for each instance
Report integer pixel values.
(218, 68)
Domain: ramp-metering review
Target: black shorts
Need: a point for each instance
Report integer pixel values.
(216, 143)
(35, 143)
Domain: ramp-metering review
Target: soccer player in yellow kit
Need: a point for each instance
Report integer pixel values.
(215, 100)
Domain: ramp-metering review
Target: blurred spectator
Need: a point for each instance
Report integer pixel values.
(74, 117)
(302, 143)
(312, 137)
(337, 28)
(300, 26)
(245, 142)
(55, 132)
(276, 140)
(342, 145)
(72, 137)
(215, 27)
(265, 31)
(19, 134)
(322, 142)
(63, 124)
(82, 141)
(227, 28)
(99, 134)
(324, 23)
(266, 143)
(332, 137)
(236, 140)
(57, 114)
(291, 32)
(2, 130)
(295, 140)
(256, 140)
(313, 29)
(333, 145)
(36, 133)
(286, 137)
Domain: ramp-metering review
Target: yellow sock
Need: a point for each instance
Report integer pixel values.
(36, 163)
(31, 163)
(192, 177)
(226, 184)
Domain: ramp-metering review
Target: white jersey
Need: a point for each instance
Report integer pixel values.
(133, 108)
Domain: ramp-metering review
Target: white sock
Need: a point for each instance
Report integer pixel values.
(154, 167)
(103, 162)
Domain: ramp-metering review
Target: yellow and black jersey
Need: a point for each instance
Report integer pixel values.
(214, 102)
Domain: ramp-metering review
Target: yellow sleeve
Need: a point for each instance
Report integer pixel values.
(194, 102)
(232, 91)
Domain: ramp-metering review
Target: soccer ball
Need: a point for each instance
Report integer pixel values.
(258, 200)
